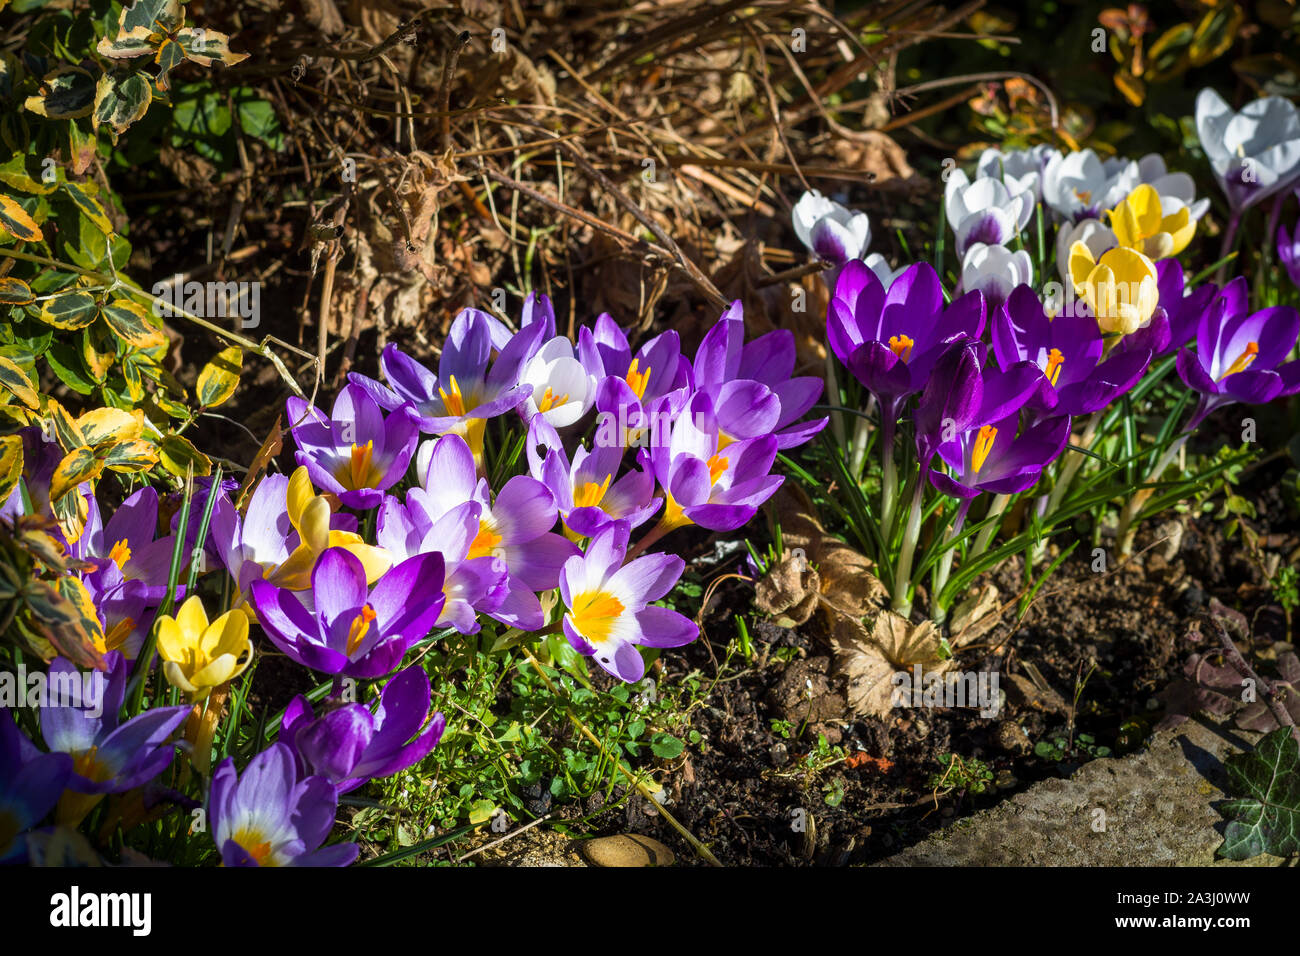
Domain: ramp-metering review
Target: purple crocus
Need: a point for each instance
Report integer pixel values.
(1068, 349)
(609, 610)
(729, 369)
(1185, 309)
(1288, 251)
(355, 743)
(586, 493)
(1000, 457)
(357, 453)
(635, 389)
(130, 567)
(470, 585)
(353, 631)
(891, 341)
(81, 720)
(714, 485)
(515, 526)
(469, 388)
(267, 816)
(1239, 358)
(962, 395)
(30, 785)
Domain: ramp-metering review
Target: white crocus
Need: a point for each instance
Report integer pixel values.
(995, 271)
(1093, 233)
(1176, 189)
(1254, 152)
(563, 390)
(877, 264)
(1079, 185)
(1020, 169)
(829, 230)
(984, 210)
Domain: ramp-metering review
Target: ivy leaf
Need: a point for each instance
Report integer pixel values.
(121, 101)
(64, 426)
(1266, 818)
(65, 617)
(16, 221)
(220, 377)
(16, 174)
(65, 360)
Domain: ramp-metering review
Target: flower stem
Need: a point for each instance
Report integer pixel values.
(1229, 235)
(985, 537)
(944, 568)
(902, 602)
(889, 471)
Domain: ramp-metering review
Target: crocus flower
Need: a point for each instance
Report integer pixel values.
(880, 266)
(108, 757)
(470, 585)
(1093, 233)
(285, 530)
(515, 526)
(586, 493)
(1020, 169)
(562, 388)
(1139, 222)
(984, 210)
(356, 453)
(635, 389)
(353, 631)
(1186, 309)
(715, 487)
(199, 656)
(962, 395)
(727, 368)
(1254, 152)
(30, 785)
(829, 230)
(469, 388)
(1177, 190)
(1120, 287)
(994, 271)
(891, 340)
(609, 610)
(355, 743)
(1239, 358)
(129, 541)
(269, 817)
(1068, 349)
(992, 457)
(1079, 185)
(1288, 251)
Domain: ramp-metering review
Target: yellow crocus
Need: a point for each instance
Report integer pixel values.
(1120, 287)
(198, 655)
(310, 516)
(1140, 224)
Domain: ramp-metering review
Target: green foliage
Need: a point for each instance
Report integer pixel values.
(1264, 814)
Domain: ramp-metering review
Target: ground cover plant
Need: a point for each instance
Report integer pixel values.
(773, 429)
